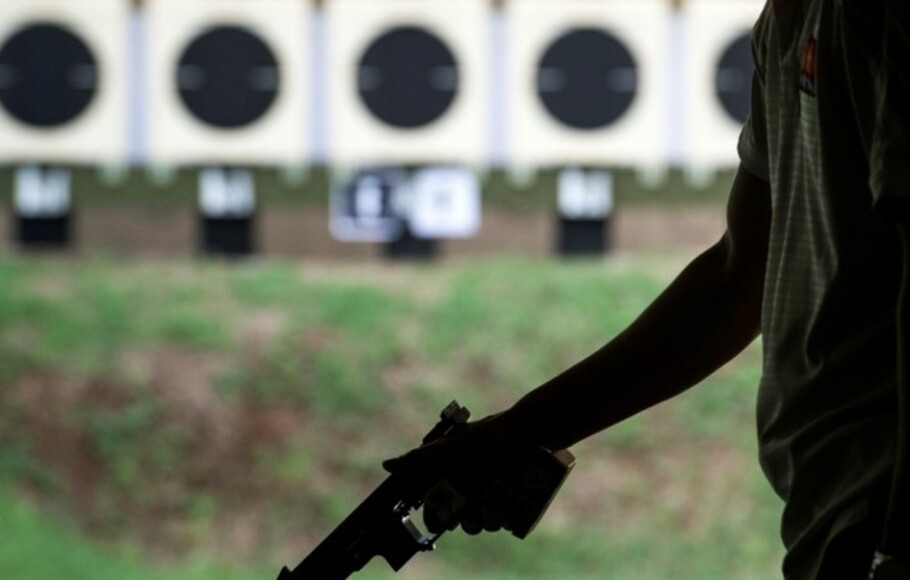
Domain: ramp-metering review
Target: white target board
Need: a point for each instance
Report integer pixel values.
(408, 81)
(63, 84)
(227, 81)
(587, 82)
(718, 74)
(446, 203)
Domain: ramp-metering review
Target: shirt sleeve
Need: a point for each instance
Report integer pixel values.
(889, 154)
(753, 140)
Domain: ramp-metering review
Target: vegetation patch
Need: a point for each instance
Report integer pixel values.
(158, 417)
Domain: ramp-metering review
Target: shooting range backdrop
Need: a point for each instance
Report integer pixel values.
(371, 85)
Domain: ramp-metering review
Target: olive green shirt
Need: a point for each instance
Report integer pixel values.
(828, 133)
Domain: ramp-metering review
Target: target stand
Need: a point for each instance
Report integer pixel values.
(62, 102)
(410, 247)
(407, 210)
(228, 93)
(587, 88)
(373, 205)
(227, 211)
(585, 201)
(42, 204)
(406, 88)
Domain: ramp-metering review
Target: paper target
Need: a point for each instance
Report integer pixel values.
(367, 206)
(227, 81)
(63, 81)
(718, 74)
(587, 82)
(408, 81)
(564, 80)
(252, 81)
(445, 203)
(408, 78)
(733, 78)
(61, 84)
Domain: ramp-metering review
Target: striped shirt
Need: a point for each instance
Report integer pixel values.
(828, 130)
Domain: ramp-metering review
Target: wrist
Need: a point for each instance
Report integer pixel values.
(522, 423)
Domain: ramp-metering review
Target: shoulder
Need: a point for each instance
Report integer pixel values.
(761, 34)
(763, 25)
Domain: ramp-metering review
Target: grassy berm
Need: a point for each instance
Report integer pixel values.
(201, 420)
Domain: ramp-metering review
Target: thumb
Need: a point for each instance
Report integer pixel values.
(395, 464)
(427, 458)
(457, 449)
(409, 462)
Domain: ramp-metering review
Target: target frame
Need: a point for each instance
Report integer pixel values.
(281, 135)
(461, 135)
(640, 136)
(98, 134)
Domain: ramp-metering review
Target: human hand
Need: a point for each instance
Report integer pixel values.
(468, 461)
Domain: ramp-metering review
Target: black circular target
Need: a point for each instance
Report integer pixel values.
(587, 79)
(48, 76)
(228, 77)
(733, 78)
(408, 78)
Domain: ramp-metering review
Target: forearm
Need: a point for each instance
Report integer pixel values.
(692, 329)
(703, 319)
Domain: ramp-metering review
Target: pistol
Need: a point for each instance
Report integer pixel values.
(522, 487)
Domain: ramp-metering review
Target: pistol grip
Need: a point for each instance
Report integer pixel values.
(537, 479)
(521, 489)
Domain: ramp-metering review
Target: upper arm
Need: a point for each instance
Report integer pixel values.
(749, 206)
(742, 253)
(748, 224)
(753, 140)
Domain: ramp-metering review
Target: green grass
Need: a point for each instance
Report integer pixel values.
(208, 420)
(36, 547)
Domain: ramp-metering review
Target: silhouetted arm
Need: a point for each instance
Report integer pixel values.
(703, 319)
(710, 313)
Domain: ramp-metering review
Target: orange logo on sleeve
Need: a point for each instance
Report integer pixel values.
(809, 67)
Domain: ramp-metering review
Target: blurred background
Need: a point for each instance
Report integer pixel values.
(249, 249)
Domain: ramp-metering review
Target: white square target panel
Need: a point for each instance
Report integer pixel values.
(228, 81)
(587, 82)
(408, 81)
(718, 69)
(63, 80)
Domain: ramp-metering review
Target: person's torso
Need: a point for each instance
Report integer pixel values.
(824, 411)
